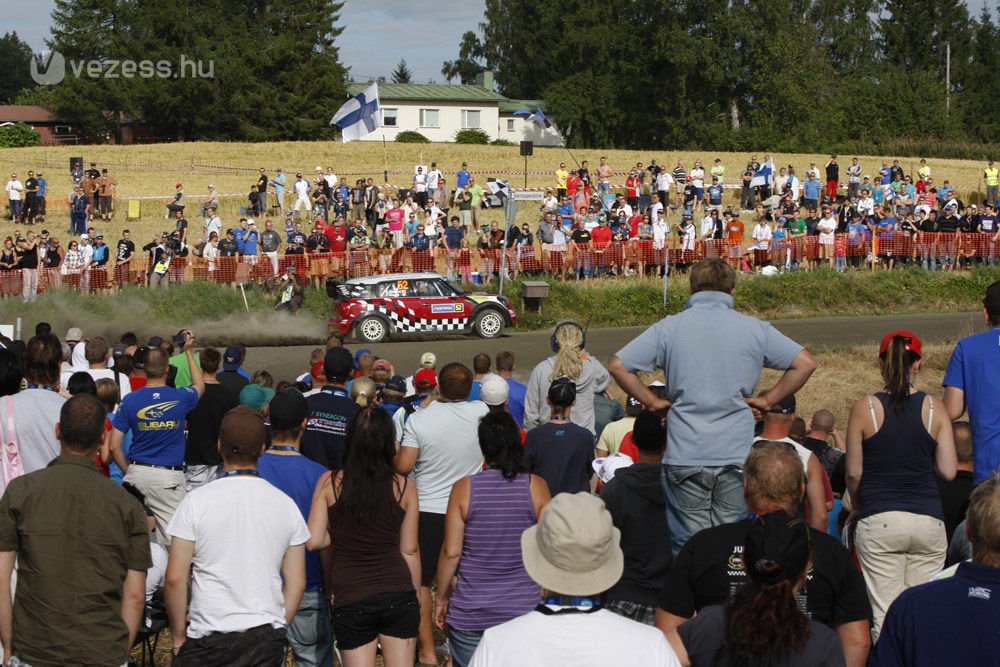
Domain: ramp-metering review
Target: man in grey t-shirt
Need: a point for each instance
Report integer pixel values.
(269, 242)
(711, 357)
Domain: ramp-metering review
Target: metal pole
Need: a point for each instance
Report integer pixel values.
(947, 78)
(525, 172)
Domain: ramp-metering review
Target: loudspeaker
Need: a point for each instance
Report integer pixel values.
(527, 148)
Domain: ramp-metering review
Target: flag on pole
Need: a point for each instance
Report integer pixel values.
(763, 175)
(360, 115)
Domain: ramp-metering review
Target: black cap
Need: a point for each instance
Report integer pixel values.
(155, 341)
(633, 406)
(396, 383)
(777, 548)
(287, 409)
(562, 391)
(785, 406)
(648, 432)
(338, 364)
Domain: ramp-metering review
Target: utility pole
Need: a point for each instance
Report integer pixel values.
(947, 78)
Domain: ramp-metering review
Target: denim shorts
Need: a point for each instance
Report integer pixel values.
(391, 614)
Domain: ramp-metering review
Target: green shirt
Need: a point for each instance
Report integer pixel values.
(76, 534)
(796, 227)
(477, 194)
(180, 362)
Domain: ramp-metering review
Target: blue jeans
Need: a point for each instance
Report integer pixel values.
(463, 644)
(700, 497)
(310, 635)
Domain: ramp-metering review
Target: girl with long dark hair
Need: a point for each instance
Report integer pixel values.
(368, 515)
(481, 580)
(896, 441)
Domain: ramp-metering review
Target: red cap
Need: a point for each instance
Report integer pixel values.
(317, 371)
(909, 338)
(425, 379)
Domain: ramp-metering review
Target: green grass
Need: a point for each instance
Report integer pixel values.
(218, 312)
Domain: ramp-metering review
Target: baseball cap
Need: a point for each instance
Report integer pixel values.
(74, 333)
(242, 431)
(317, 372)
(359, 353)
(396, 383)
(287, 409)
(382, 365)
(425, 379)
(606, 466)
(910, 339)
(785, 406)
(632, 406)
(777, 548)
(428, 360)
(574, 549)
(232, 358)
(255, 396)
(562, 391)
(494, 390)
(338, 364)
(155, 341)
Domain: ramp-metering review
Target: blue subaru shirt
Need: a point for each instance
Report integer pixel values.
(973, 369)
(156, 418)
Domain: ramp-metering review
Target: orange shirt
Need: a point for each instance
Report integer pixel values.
(734, 231)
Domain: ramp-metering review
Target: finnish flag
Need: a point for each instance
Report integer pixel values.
(763, 175)
(360, 115)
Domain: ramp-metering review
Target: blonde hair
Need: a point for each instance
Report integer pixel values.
(569, 361)
(363, 391)
(983, 520)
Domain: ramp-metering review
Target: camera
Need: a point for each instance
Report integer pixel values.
(181, 337)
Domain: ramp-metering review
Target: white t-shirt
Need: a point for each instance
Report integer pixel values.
(241, 527)
(655, 211)
(124, 386)
(433, 178)
(664, 181)
(697, 177)
(420, 182)
(707, 227)
(582, 640)
(660, 231)
(762, 234)
(854, 173)
(447, 436)
(302, 188)
(331, 180)
(826, 228)
(14, 189)
(213, 224)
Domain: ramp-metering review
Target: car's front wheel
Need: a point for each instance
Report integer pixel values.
(489, 324)
(372, 329)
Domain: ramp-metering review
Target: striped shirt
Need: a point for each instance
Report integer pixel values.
(493, 587)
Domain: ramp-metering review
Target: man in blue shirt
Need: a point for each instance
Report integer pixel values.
(811, 190)
(156, 415)
(284, 466)
(710, 396)
(972, 381)
(279, 189)
(952, 621)
(462, 177)
(516, 391)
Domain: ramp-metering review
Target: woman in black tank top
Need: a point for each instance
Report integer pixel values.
(898, 441)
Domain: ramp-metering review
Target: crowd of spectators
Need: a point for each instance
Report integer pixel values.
(351, 510)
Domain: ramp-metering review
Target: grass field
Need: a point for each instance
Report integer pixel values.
(153, 169)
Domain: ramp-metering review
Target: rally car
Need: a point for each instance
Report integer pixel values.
(376, 307)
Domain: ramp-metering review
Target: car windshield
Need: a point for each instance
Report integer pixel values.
(455, 287)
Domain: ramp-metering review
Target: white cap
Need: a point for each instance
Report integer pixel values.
(606, 467)
(428, 360)
(494, 390)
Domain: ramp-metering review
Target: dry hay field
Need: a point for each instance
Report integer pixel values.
(152, 170)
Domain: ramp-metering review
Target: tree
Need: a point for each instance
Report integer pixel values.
(15, 63)
(19, 135)
(468, 64)
(402, 73)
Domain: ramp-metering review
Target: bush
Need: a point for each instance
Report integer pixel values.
(411, 137)
(501, 142)
(472, 136)
(19, 135)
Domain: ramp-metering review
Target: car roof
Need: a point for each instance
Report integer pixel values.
(371, 280)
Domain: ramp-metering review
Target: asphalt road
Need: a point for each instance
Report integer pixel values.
(531, 347)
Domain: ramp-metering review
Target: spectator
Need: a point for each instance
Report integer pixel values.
(231, 378)
(201, 454)
(710, 422)
(776, 559)
(895, 445)
(951, 621)
(713, 563)
(83, 554)
(284, 466)
(368, 515)
(606, 411)
(635, 499)
(570, 360)
(559, 451)
(819, 429)
(970, 382)
(439, 447)
(487, 513)
(573, 554)
(155, 415)
(34, 411)
(611, 436)
(480, 367)
(230, 541)
(494, 393)
(330, 408)
(955, 494)
(516, 390)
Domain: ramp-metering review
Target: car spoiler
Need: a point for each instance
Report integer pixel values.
(336, 289)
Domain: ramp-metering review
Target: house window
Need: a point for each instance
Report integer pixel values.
(510, 124)
(429, 118)
(389, 117)
(470, 118)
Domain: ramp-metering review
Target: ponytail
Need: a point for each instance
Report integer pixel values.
(896, 364)
(764, 625)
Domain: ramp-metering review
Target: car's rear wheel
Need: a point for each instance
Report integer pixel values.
(372, 329)
(489, 324)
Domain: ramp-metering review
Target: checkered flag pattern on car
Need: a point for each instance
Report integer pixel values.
(404, 320)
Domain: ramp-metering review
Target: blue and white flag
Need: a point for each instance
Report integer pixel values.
(360, 115)
(763, 175)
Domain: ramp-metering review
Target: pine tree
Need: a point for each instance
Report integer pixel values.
(468, 64)
(15, 63)
(402, 73)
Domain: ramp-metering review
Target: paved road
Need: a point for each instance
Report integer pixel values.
(531, 347)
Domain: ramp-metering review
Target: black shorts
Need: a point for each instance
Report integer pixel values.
(256, 647)
(390, 614)
(430, 537)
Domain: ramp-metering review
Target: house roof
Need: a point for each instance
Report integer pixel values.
(26, 113)
(510, 106)
(429, 91)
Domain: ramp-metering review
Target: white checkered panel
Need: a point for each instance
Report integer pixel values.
(404, 320)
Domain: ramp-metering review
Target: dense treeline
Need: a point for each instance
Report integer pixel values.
(273, 67)
(789, 75)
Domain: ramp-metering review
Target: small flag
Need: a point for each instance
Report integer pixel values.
(536, 117)
(360, 115)
(763, 175)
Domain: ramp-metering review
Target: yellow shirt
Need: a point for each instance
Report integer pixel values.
(719, 171)
(992, 176)
(561, 176)
(924, 173)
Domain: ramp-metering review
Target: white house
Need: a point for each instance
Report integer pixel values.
(439, 111)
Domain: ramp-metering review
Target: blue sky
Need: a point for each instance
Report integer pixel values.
(376, 35)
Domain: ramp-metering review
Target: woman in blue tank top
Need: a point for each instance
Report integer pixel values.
(897, 440)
